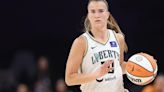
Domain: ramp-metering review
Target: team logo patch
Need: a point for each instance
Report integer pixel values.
(113, 44)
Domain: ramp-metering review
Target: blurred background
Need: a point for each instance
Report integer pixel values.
(36, 36)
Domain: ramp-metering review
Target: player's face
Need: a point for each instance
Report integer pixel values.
(98, 14)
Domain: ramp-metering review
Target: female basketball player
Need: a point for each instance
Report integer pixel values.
(96, 59)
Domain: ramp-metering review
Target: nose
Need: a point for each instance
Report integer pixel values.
(97, 15)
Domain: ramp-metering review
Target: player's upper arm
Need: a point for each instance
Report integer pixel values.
(75, 56)
(121, 42)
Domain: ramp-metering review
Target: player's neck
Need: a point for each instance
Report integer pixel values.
(100, 33)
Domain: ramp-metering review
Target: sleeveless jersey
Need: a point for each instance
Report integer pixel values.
(96, 54)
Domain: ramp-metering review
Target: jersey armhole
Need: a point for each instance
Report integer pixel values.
(86, 46)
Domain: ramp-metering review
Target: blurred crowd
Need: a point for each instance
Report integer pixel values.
(30, 73)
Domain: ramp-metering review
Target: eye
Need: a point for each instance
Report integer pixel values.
(101, 10)
(92, 11)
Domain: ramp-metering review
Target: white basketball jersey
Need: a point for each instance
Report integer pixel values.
(97, 53)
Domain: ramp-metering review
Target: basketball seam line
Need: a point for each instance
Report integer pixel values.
(144, 67)
(150, 63)
(141, 66)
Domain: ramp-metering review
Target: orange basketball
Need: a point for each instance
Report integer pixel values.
(141, 69)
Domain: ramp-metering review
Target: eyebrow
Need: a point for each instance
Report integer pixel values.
(98, 9)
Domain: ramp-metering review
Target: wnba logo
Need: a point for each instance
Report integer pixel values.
(135, 80)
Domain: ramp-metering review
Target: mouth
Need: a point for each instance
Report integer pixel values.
(97, 20)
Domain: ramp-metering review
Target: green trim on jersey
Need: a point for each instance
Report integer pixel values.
(98, 41)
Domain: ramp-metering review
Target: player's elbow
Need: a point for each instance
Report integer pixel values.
(68, 81)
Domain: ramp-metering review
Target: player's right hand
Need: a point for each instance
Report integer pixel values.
(104, 69)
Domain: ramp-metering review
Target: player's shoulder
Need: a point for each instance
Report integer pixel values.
(80, 44)
(80, 40)
(120, 36)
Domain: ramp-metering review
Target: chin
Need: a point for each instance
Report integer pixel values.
(99, 26)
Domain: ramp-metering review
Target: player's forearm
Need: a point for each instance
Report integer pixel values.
(78, 79)
(123, 65)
